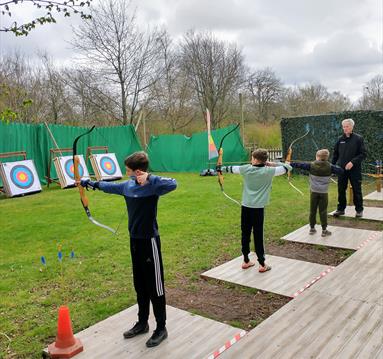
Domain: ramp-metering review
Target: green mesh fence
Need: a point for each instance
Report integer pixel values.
(178, 153)
(325, 131)
(35, 140)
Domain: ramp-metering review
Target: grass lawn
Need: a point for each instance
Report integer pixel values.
(197, 226)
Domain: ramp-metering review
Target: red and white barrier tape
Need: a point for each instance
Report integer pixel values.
(308, 285)
(370, 238)
(227, 345)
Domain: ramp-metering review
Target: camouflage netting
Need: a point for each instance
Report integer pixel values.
(326, 129)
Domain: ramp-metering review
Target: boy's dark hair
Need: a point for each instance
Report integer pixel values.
(137, 161)
(260, 154)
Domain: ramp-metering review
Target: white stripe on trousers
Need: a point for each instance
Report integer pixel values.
(157, 268)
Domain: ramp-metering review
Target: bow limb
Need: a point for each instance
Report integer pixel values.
(289, 157)
(219, 165)
(77, 177)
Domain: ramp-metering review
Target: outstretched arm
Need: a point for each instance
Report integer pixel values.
(231, 169)
(107, 187)
(337, 170)
(280, 168)
(302, 166)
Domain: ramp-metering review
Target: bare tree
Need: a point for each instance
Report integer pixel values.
(47, 9)
(123, 55)
(265, 89)
(171, 96)
(372, 98)
(313, 99)
(215, 70)
(57, 106)
(90, 99)
(21, 97)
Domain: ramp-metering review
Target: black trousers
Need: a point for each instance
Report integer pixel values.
(318, 201)
(148, 277)
(252, 221)
(355, 178)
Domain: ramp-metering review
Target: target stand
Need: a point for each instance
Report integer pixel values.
(19, 177)
(54, 153)
(64, 167)
(105, 165)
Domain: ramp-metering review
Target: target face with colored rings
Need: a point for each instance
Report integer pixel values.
(107, 165)
(22, 176)
(69, 169)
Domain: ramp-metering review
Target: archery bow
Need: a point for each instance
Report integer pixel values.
(77, 177)
(288, 159)
(219, 165)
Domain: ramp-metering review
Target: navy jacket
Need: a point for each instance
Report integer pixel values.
(349, 149)
(141, 202)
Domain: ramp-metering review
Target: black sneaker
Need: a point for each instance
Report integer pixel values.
(139, 328)
(157, 337)
(325, 233)
(359, 214)
(312, 231)
(338, 213)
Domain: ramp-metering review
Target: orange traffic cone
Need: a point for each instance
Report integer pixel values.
(66, 345)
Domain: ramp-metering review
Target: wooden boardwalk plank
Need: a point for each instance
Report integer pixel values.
(286, 277)
(190, 336)
(316, 325)
(360, 276)
(374, 196)
(369, 213)
(341, 237)
(341, 316)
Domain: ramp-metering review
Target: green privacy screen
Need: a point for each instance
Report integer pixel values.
(167, 153)
(179, 153)
(324, 131)
(35, 140)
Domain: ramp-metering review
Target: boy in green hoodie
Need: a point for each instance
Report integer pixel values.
(258, 177)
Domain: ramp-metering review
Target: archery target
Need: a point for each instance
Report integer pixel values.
(65, 170)
(105, 166)
(19, 177)
(69, 169)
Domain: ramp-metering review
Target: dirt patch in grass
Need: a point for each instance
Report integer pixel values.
(245, 307)
(239, 306)
(309, 253)
(355, 223)
(226, 303)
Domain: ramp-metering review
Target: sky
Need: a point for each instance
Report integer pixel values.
(338, 43)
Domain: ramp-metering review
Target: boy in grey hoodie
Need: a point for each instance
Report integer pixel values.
(320, 173)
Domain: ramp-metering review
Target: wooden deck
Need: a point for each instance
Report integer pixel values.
(341, 316)
(341, 237)
(374, 196)
(360, 277)
(286, 277)
(190, 336)
(369, 213)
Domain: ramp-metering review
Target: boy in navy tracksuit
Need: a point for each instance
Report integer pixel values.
(141, 195)
(320, 172)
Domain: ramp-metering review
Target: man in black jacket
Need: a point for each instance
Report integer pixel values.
(349, 152)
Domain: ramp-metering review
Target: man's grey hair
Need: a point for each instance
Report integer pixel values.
(349, 121)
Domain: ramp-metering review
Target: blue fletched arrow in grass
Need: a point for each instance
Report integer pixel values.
(43, 261)
(60, 256)
(72, 254)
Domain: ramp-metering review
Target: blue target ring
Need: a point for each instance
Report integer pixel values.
(69, 169)
(107, 165)
(22, 177)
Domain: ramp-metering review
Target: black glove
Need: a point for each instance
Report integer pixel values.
(88, 183)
